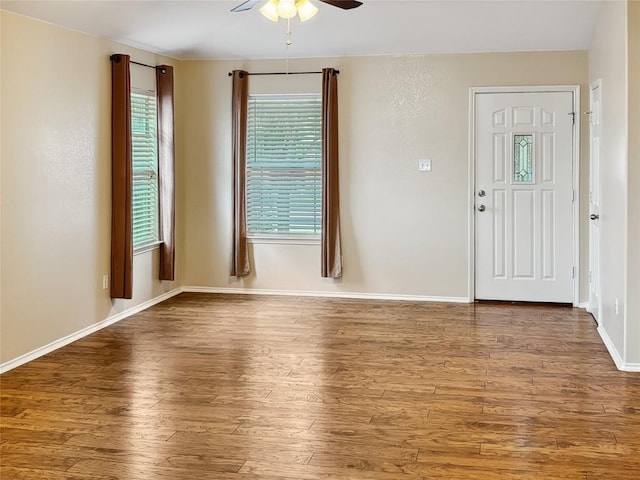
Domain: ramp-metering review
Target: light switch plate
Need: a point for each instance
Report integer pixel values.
(424, 164)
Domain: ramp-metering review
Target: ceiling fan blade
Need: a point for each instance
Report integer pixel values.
(247, 5)
(344, 4)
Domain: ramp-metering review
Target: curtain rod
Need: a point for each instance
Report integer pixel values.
(284, 73)
(116, 58)
(162, 69)
(142, 64)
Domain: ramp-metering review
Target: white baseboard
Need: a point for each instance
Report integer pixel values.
(296, 293)
(620, 364)
(61, 342)
(615, 355)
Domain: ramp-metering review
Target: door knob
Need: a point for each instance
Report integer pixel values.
(482, 193)
(481, 208)
(593, 216)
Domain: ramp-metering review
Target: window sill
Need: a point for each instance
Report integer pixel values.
(285, 239)
(146, 248)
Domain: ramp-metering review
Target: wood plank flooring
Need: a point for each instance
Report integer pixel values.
(246, 387)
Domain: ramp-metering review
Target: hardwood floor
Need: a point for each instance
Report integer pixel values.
(246, 387)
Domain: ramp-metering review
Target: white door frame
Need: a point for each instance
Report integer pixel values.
(593, 85)
(473, 93)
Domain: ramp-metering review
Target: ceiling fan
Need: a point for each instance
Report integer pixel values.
(344, 4)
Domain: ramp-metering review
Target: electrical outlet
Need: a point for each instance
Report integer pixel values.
(105, 281)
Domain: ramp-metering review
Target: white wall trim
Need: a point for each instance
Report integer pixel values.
(39, 352)
(282, 240)
(598, 314)
(615, 355)
(61, 342)
(577, 129)
(471, 199)
(296, 293)
(473, 93)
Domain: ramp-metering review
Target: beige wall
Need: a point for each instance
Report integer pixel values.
(607, 61)
(633, 185)
(404, 232)
(55, 210)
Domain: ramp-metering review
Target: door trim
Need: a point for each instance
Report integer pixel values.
(593, 85)
(473, 93)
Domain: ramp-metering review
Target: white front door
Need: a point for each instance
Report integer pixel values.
(524, 196)
(595, 134)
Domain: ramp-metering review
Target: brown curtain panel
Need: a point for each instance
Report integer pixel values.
(121, 171)
(331, 248)
(240, 99)
(166, 169)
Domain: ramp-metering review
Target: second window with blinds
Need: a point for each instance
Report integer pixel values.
(284, 177)
(144, 139)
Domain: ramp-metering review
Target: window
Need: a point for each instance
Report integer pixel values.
(284, 155)
(144, 139)
(522, 159)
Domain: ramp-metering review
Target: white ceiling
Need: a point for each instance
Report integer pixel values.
(207, 29)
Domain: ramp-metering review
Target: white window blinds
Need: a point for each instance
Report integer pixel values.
(284, 150)
(144, 138)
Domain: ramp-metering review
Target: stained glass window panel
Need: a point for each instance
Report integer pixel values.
(523, 158)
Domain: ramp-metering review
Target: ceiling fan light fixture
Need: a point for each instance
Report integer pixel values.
(306, 10)
(270, 10)
(287, 8)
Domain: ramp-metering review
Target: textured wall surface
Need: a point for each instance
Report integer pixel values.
(633, 182)
(607, 61)
(56, 185)
(404, 232)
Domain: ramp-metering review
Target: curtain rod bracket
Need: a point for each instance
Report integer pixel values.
(117, 58)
